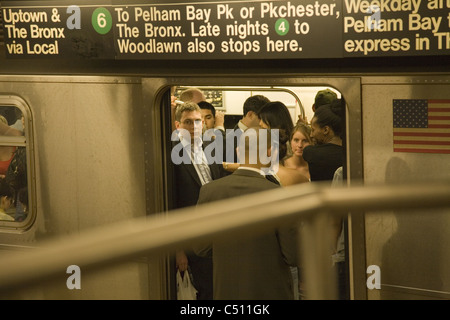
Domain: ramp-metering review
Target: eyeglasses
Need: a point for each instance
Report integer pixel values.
(189, 122)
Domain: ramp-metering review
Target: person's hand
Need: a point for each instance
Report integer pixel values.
(182, 261)
(173, 104)
(302, 119)
(220, 119)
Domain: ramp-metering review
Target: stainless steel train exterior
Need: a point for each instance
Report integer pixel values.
(96, 155)
(97, 136)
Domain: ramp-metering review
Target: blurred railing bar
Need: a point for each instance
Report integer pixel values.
(243, 216)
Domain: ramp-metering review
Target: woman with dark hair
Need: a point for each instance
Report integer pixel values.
(275, 115)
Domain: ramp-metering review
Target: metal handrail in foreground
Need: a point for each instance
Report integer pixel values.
(103, 246)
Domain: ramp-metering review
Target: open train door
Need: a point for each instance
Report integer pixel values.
(158, 129)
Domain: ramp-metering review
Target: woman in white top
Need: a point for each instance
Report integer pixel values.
(300, 138)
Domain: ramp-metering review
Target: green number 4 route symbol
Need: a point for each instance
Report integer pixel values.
(282, 27)
(102, 20)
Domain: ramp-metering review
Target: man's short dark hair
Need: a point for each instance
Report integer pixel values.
(208, 106)
(255, 103)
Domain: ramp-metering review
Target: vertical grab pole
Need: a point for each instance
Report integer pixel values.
(317, 274)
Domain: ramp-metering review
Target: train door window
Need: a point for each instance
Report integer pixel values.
(14, 187)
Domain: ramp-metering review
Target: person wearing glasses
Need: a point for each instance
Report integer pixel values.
(193, 167)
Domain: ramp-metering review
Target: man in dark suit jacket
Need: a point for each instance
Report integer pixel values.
(258, 267)
(192, 168)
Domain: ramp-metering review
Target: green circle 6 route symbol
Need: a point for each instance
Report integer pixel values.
(102, 20)
(282, 27)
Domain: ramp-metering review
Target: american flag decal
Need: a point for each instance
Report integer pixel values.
(421, 126)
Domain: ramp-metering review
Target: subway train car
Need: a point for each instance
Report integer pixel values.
(89, 87)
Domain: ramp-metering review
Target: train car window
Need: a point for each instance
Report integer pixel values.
(14, 195)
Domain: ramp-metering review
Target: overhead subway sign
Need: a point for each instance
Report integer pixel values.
(226, 29)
